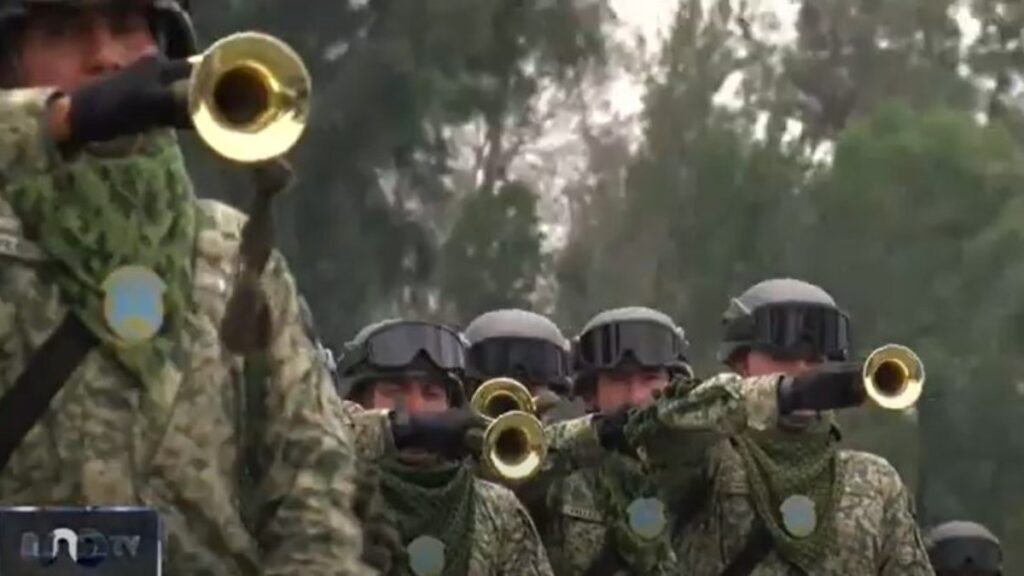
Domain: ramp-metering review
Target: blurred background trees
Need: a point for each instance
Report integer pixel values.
(466, 155)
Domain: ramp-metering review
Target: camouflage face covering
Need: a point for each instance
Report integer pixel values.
(794, 484)
(623, 486)
(109, 209)
(433, 500)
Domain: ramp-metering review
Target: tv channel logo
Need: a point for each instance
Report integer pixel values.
(99, 541)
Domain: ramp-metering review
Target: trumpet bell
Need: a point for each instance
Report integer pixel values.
(514, 446)
(249, 97)
(501, 395)
(893, 377)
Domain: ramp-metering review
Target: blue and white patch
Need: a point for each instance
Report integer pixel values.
(647, 517)
(799, 516)
(133, 305)
(426, 556)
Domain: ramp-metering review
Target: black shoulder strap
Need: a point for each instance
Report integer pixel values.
(48, 369)
(758, 545)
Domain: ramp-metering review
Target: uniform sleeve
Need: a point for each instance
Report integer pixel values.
(570, 444)
(26, 148)
(676, 434)
(306, 524)
(520, 551)
(903, 550)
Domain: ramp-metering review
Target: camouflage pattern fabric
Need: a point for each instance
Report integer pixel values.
(131, 206)
(874, 519)
(97, 446)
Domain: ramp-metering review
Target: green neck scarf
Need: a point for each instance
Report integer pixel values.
(434, 500)
(621, 481)
(129, 203)
(781, 464)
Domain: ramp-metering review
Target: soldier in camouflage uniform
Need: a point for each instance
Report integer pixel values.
(154, 411)
(962, 548)
(450, 522)
(527, 347)
(601, 514)
(784, 499)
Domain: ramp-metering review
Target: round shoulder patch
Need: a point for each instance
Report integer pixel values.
(426, 556)
(798, 516)
(133, 303)
(647, 517)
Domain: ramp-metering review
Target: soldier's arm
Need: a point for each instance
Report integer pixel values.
(903, 550)
(676, 435)
(306, 524)
(513, 535)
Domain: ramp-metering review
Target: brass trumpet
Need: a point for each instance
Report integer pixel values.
(514, 445)
(893, 377)
(249, 96)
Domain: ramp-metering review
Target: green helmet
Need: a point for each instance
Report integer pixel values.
(786, 318)
(403, 348)
(635, 334)
(170, 21)
(518, 344)
(960, 546)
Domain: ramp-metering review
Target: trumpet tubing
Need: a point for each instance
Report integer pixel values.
(249, 97)
(893, 377)
(514, 445)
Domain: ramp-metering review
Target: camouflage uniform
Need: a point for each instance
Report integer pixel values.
(101, 444)
(874, 519)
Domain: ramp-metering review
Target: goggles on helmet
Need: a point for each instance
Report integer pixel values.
(397, 345)
(650, 344)
(514, 357)
(790, 327)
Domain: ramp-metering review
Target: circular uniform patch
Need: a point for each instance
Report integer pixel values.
(133, 305)
(798, 516)
(647, 517)
(426, 556)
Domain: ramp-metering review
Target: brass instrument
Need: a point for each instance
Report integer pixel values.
(249, 97)
(514, 446)
(893, 377)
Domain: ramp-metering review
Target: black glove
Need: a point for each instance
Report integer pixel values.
(611, 430)
(382, 543)
(442, 433)
(131, 101)
(829, 387)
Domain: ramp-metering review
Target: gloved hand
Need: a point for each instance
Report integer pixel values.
(611, 430)
(442, 433)
(828, 387)
(131, 101)
(382, 542)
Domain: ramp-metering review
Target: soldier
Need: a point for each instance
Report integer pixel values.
(450, 522)
(784, 499)
(526, 347)
(600, 513)
(962, 548)
(115, 280)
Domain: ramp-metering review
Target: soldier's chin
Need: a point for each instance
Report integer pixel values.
(417, 457)
(799, 420)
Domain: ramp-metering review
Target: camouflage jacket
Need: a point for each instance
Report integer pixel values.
(95, 446)
(505, 540)
(876, 528)
(564, 501)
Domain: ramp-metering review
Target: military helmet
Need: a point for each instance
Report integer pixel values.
(171, 22)
(634, 334)
(518, 344)
(786, 318)
(397, 347)
(962, 545)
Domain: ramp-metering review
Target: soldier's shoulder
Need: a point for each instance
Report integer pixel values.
(558, 433)
(218, 220)
(864, 471)
(498, 502)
